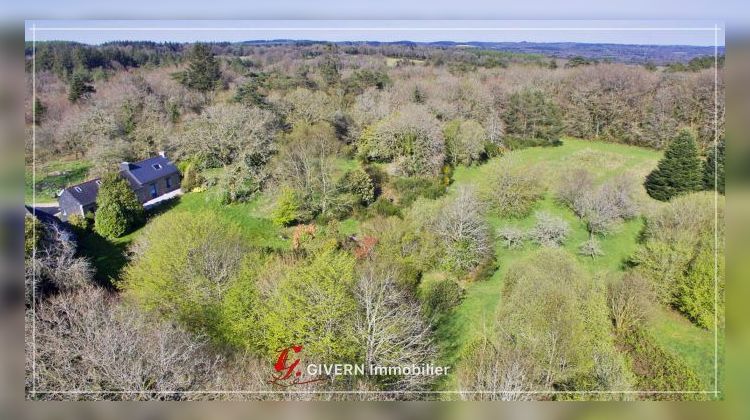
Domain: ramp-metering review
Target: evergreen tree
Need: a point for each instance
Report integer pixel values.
(678, 172)
(118, 209)
(531, 114)
(39, 110)
(203, 73)
(715, 162)
(80, 87)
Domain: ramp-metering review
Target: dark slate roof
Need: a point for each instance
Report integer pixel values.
(143, 172)
(85, 192)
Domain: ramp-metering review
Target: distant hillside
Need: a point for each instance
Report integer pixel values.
(624, 53)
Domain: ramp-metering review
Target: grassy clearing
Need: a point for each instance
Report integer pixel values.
(52, 177)
(109, 255)
(392, 61)
(693, 344)
(604, 160)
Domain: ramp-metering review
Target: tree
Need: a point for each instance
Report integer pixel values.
(713, 169)
(80, 87)
(182, 266)
(203, 73)
(390, 325)
(463, 232)
(464, 141)
(118, 209)
(314, 305)
(549, 230)
(512, 192)
(88, 340)
(532, 115)
(40, 111)
(678, 172)
(225, 133)
(288, 208)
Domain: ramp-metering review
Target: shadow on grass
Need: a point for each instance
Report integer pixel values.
(107, 256)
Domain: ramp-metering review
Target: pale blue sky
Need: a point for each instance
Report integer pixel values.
(665, 32)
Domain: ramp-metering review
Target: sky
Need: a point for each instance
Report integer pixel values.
(651, 32)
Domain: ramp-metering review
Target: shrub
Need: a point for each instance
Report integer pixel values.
(79, 223)
(464, 141)
(118, 209)
(411, 188)
(358, 183)
(384, 207)
(591, 248)
(288, 208)
(511, 236)
(630, 299)
(512, 192)
(549, 230)
(191, 178)
(440, 296)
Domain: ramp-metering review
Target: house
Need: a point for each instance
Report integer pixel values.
(79, 199)
(152, 177)
(149, 179)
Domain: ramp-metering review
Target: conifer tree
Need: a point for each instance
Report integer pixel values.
(713, 170)
(80, 87)
(678, 172)
(203, 73)
(118, 209)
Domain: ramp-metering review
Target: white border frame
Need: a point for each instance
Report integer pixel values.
(715, 29)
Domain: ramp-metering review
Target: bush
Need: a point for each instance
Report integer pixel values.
(118, 209)
(191, 178)
(630, 301)
(512, 192)
(288, 208)
(591, 248)
(384, 207)
(512, 237)
(358, 183)
(79, 223)
(439, 296)
(411, 188)
(549, 230)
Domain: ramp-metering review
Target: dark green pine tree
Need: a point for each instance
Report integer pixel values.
(713, 170)
(80, 87)
(678, 172)
(118, 210)
(203, 73)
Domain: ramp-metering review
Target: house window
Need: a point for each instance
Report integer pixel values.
(153, 190)
(169, 182)
(156, 166)
(78, 189)
(98, 182)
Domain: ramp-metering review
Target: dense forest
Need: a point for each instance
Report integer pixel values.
(542, 225)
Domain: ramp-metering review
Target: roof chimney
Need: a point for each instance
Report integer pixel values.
(162, 154)
(125, 166)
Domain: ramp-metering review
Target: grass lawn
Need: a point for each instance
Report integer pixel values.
(693, 344)
(604, 160)
(109, 255)
(52, 177)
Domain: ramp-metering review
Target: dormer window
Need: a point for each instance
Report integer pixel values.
(78, 189)
(98, 182)
(156, 166)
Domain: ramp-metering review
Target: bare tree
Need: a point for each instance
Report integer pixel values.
(390, 325)
(464, 232)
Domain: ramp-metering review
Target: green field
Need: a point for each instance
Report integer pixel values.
(604, 160)
(482, 298)
(52, 177)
